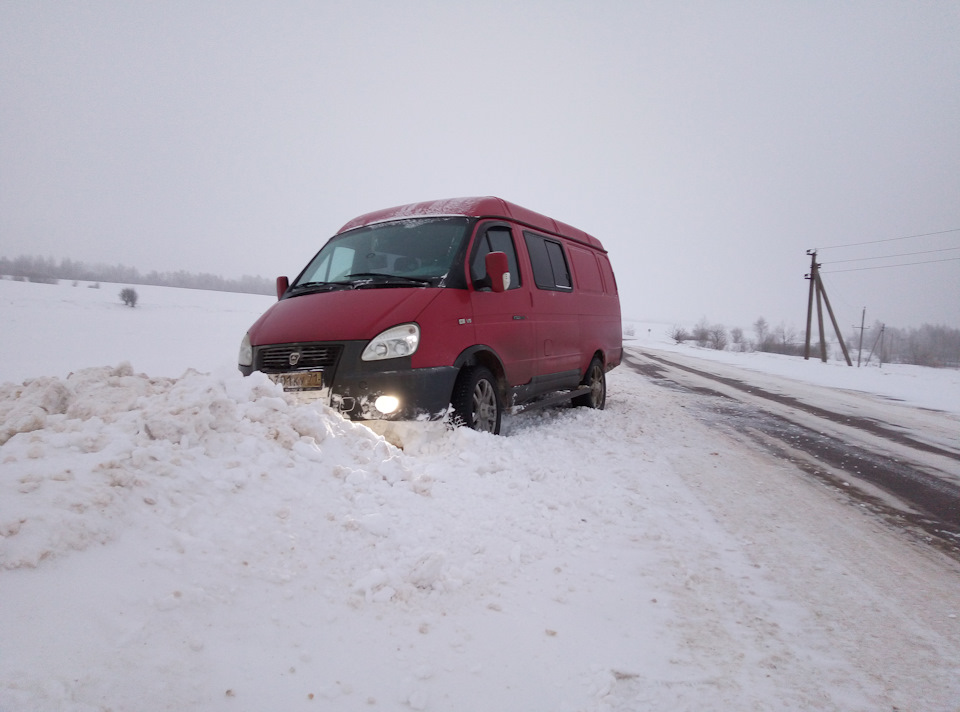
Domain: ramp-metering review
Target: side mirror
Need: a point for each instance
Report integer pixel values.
(498, 271)
(282, 285)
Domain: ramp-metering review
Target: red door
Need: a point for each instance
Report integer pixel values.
(502, 320)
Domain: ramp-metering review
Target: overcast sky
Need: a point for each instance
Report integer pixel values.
(708, 145)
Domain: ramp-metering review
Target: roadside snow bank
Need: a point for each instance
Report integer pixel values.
(86, 455)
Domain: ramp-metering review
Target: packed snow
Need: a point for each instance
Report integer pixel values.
(175, 536)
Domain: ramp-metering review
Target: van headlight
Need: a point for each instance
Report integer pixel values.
(246, 352)
(395, 342)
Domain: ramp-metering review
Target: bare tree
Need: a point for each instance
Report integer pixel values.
(736, 336)
(762, 331)
(679, 334)
(718, 337)
(785, 335)
(701, 332)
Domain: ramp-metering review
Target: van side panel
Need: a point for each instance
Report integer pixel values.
(599, 308)
(557, 332)
(612, 336)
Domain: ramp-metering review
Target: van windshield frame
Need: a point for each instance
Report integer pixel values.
(414, 252)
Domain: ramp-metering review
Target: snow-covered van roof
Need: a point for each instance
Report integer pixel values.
(480, 207)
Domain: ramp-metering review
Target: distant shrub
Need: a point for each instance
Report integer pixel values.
(678, 334)
(129, 296)
(718, 337)
(739, 343)
(701, 333)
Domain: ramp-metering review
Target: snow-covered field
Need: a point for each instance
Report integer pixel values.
(174, 536)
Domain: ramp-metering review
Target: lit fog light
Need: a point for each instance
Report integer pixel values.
(386, 404)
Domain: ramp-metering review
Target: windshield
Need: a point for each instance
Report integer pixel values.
(417, 252)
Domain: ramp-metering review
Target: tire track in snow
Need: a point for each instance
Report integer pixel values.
(866, 424)
(909, 483)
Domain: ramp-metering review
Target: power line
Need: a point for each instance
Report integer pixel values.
(892, 239)
(904, 264)
(887, 257)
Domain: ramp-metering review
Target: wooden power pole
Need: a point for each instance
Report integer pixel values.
(863, 321)
(816, 287)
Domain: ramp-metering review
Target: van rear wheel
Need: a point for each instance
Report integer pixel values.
(596, 379)
(476, 401)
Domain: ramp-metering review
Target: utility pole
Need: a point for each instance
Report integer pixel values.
(816, 286)
(883, 328)
(879, 340)
(813, 285)
(863, 320)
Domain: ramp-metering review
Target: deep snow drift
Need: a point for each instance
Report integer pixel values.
(194, 540)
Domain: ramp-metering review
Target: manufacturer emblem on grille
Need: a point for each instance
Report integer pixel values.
(294, 358)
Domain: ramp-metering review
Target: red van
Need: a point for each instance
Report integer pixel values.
(460, 307)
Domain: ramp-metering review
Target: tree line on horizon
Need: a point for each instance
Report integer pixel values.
(49, 270)
(928, 345)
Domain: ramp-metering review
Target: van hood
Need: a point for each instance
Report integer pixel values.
(344, 315)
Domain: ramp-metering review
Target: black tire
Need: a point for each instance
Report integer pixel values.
(476, 400)
(596, 378)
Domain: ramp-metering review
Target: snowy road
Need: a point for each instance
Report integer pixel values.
(899, 462)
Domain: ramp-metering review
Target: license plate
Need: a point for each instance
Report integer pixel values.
(301, 381)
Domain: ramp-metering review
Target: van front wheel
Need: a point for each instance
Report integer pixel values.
(476, 402)
(596, 379)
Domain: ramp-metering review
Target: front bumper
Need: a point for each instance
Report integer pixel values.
(352, 386)
(422, 393)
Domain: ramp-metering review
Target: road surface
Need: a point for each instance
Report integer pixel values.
(901, 463)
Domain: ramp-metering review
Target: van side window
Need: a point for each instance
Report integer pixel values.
(609, 280)
(550, 270)
(586, 269)
(495, 239)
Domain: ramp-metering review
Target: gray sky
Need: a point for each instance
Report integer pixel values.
(708, 145)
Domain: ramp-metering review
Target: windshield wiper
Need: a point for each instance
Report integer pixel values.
(379, 278)
(359, 280)
(305, 287)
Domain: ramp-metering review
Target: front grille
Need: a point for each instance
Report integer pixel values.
(313, 357)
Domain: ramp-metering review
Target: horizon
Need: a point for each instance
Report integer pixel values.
(689, 323)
